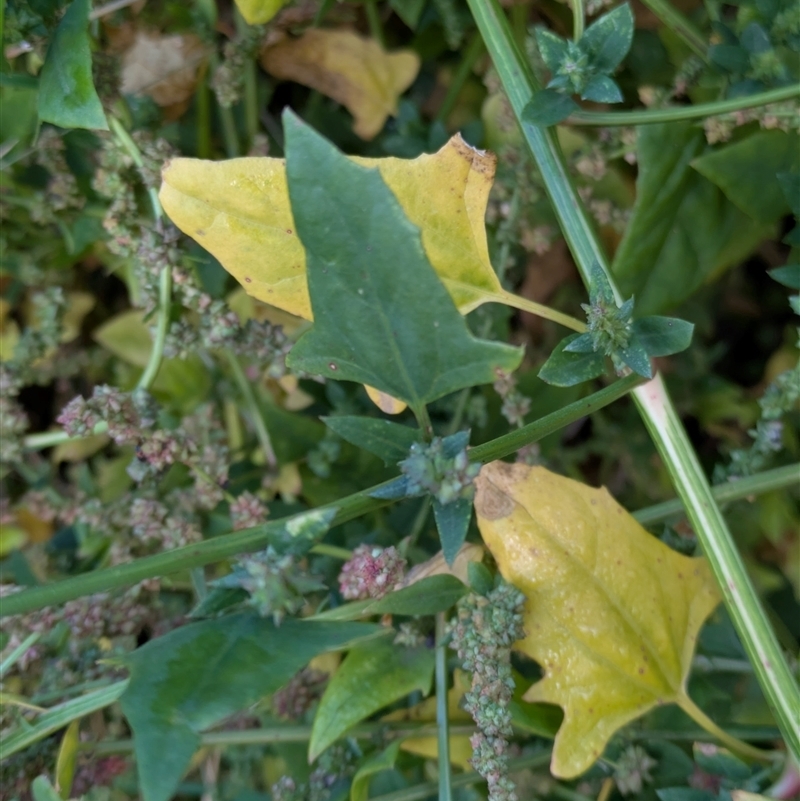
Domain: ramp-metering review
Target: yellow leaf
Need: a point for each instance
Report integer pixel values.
(79, 304)
(354, 71)
(257, 12)
(76, 450)
(67, 759)
(386, 403)
(36, 529)
(239, 211)
(12, 538)
(612, 613)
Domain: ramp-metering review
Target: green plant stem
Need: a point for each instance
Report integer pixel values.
(775, 479)
(323, 549)
(533, 432)
(680, 25)
(735, 745)
(153, 365)
(230, 137)
(288, 734)
(428, 789)
(49, 439)
(253, 539)
(472, 52)
(423, 420)
(246, 390)
(676, 113)
(578, 19)
(374, 22)
(442, 721)
(655, 406)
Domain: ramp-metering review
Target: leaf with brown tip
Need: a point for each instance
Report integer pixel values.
(612, 614)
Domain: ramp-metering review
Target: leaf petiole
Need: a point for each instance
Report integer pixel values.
(734, 744)
(540, 310)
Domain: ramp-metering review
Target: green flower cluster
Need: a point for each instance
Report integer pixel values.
(482, 634)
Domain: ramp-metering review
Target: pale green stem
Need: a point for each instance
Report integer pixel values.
(442, 721)
(470, 56)
(540, 310)
(257, 418)
(769, 480)
(683, 27)
(423, 420)
(578, 19)
(250, 89)
(693, 112)
(323, 549)
(735, 745)
(199, 582)
(654, 405)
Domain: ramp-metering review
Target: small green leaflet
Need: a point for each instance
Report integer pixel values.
(384, 438)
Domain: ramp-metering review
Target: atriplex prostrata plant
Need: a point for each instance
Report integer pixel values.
(209, 421)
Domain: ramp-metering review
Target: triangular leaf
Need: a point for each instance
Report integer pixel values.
(663, 336)
(788, 275)
(383, 760)
(452, 521)
(369, 679)
(191, 678)
(790, 184)
(67, 96)
(612, 615)
(384, 438)
(394, 329)
(608, 40)
(257, 12)
(565, 369)
(548, 107)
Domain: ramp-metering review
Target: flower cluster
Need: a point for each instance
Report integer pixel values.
(440, 468)
(482, 633)
(633, 770)
(515, 404)
(371, 572)
(228, 79)
(276, 583)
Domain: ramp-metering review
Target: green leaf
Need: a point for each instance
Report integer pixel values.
(552, 47)
(548, 107)
(67, 96)
(747, 172)
(602, 89)
(452, 522)
(608, 40)
(384, 438)
(425, 597)
(394, 329)
(664, 154)
(788, 275)
(359, 791)
(42, 790)
(408, 10)
(369, 679)
(564, 369)
(302, 531)
(257, 12)
(755, 39)
(730, 57)
(663, 336)
(635, 356)
(710, 235)
(480, 578)
(685, 794)
(193, 677)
